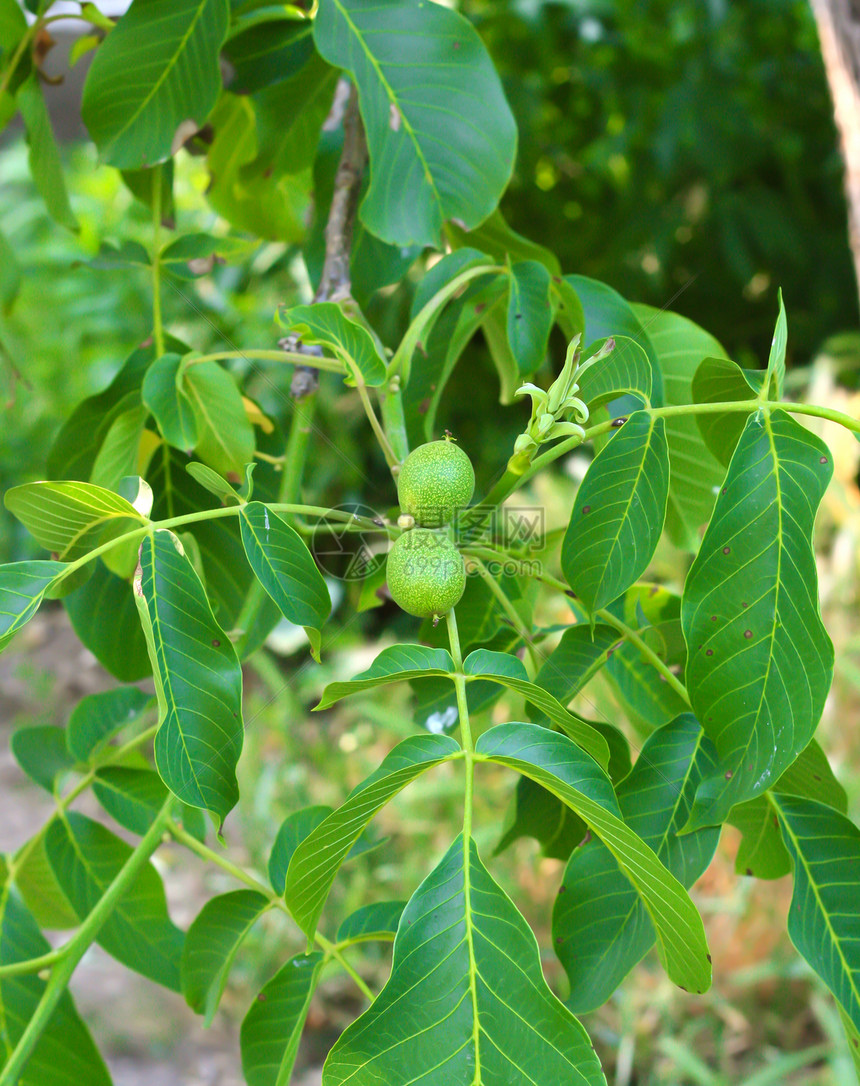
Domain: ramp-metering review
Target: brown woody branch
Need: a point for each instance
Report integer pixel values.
(334, 284)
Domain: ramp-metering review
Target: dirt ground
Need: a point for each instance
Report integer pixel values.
(148, 1036)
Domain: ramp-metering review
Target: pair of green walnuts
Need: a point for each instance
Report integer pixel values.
(426, 572)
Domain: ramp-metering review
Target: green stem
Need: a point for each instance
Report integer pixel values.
(633, 637)
(78, 945)
(20, 49)
(324, 513)
(208, 854)
(509, 609)
(376, 426)
(293, 357)
(157, 324)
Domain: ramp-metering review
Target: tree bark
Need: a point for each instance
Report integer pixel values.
(839, 34)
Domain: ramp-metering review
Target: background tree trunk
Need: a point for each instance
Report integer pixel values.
(839, 33)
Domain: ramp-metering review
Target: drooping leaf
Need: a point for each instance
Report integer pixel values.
(371, 921)
(97, 717)
(22, 588)
(225, 436)
(326, 324)
(529, 314)
(759, 659)
(141, 183)
(37, 884)
(272, 1028)
(579, 655)
(466, 1001)
(679, 345)
(40, 750)
(442, 138)
(618, 515)
(762, 852)
(64, 1054)
(497, 238)
(10, 274)
(264, 53)
(284, 567)
(822, 920)
(509, 671)
(86, 857)
(211, 945)
(197, 677)
(192, 255)
(557, 764)
(316, 860)
(293, 830)
(45, 165)
(601, 927)
(535, 812)
(104, 617)
(394, 664)
(119, 455)
(164, 395)
(163, 55)
(721, 380)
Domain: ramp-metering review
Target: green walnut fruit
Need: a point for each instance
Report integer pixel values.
(426, 573)
(435, 481)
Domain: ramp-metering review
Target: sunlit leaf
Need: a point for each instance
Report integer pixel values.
(22, 588)
(394, 664)
(326, 324)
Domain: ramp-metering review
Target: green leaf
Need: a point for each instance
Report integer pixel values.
(69, 518)
(822, 920)
(211, 945)
(534, 812)
(608, 314)
(695, 476)
(497, 238)
(164, 395)
(74, 450)
(272, 206)
(509, 671)
(119, 454)
(466, 1001)
(394, 664)
(761, 852)
(268, 52)
(192, 255)
(163, 55)
(326, 324)
(44, 156)
(719, 380)
(316, 860)
(618, 515)
(225, 438)
(197, 677)
(22, 588)
(40, 750)
(284, 567)
(759, 659)
(64, 1053)
(86, 858)
(294, 829)
(556, 763)
(625, 371)
(776, 360)
(530, 314)
(272, 1028)
(441, 136)
(37, 884)
(10, 275)
(601, 927)
(216, 484)
(98, 717)
(141, 183)
(576, 659)
(371, 921)
(132, 797)
(105, 618)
